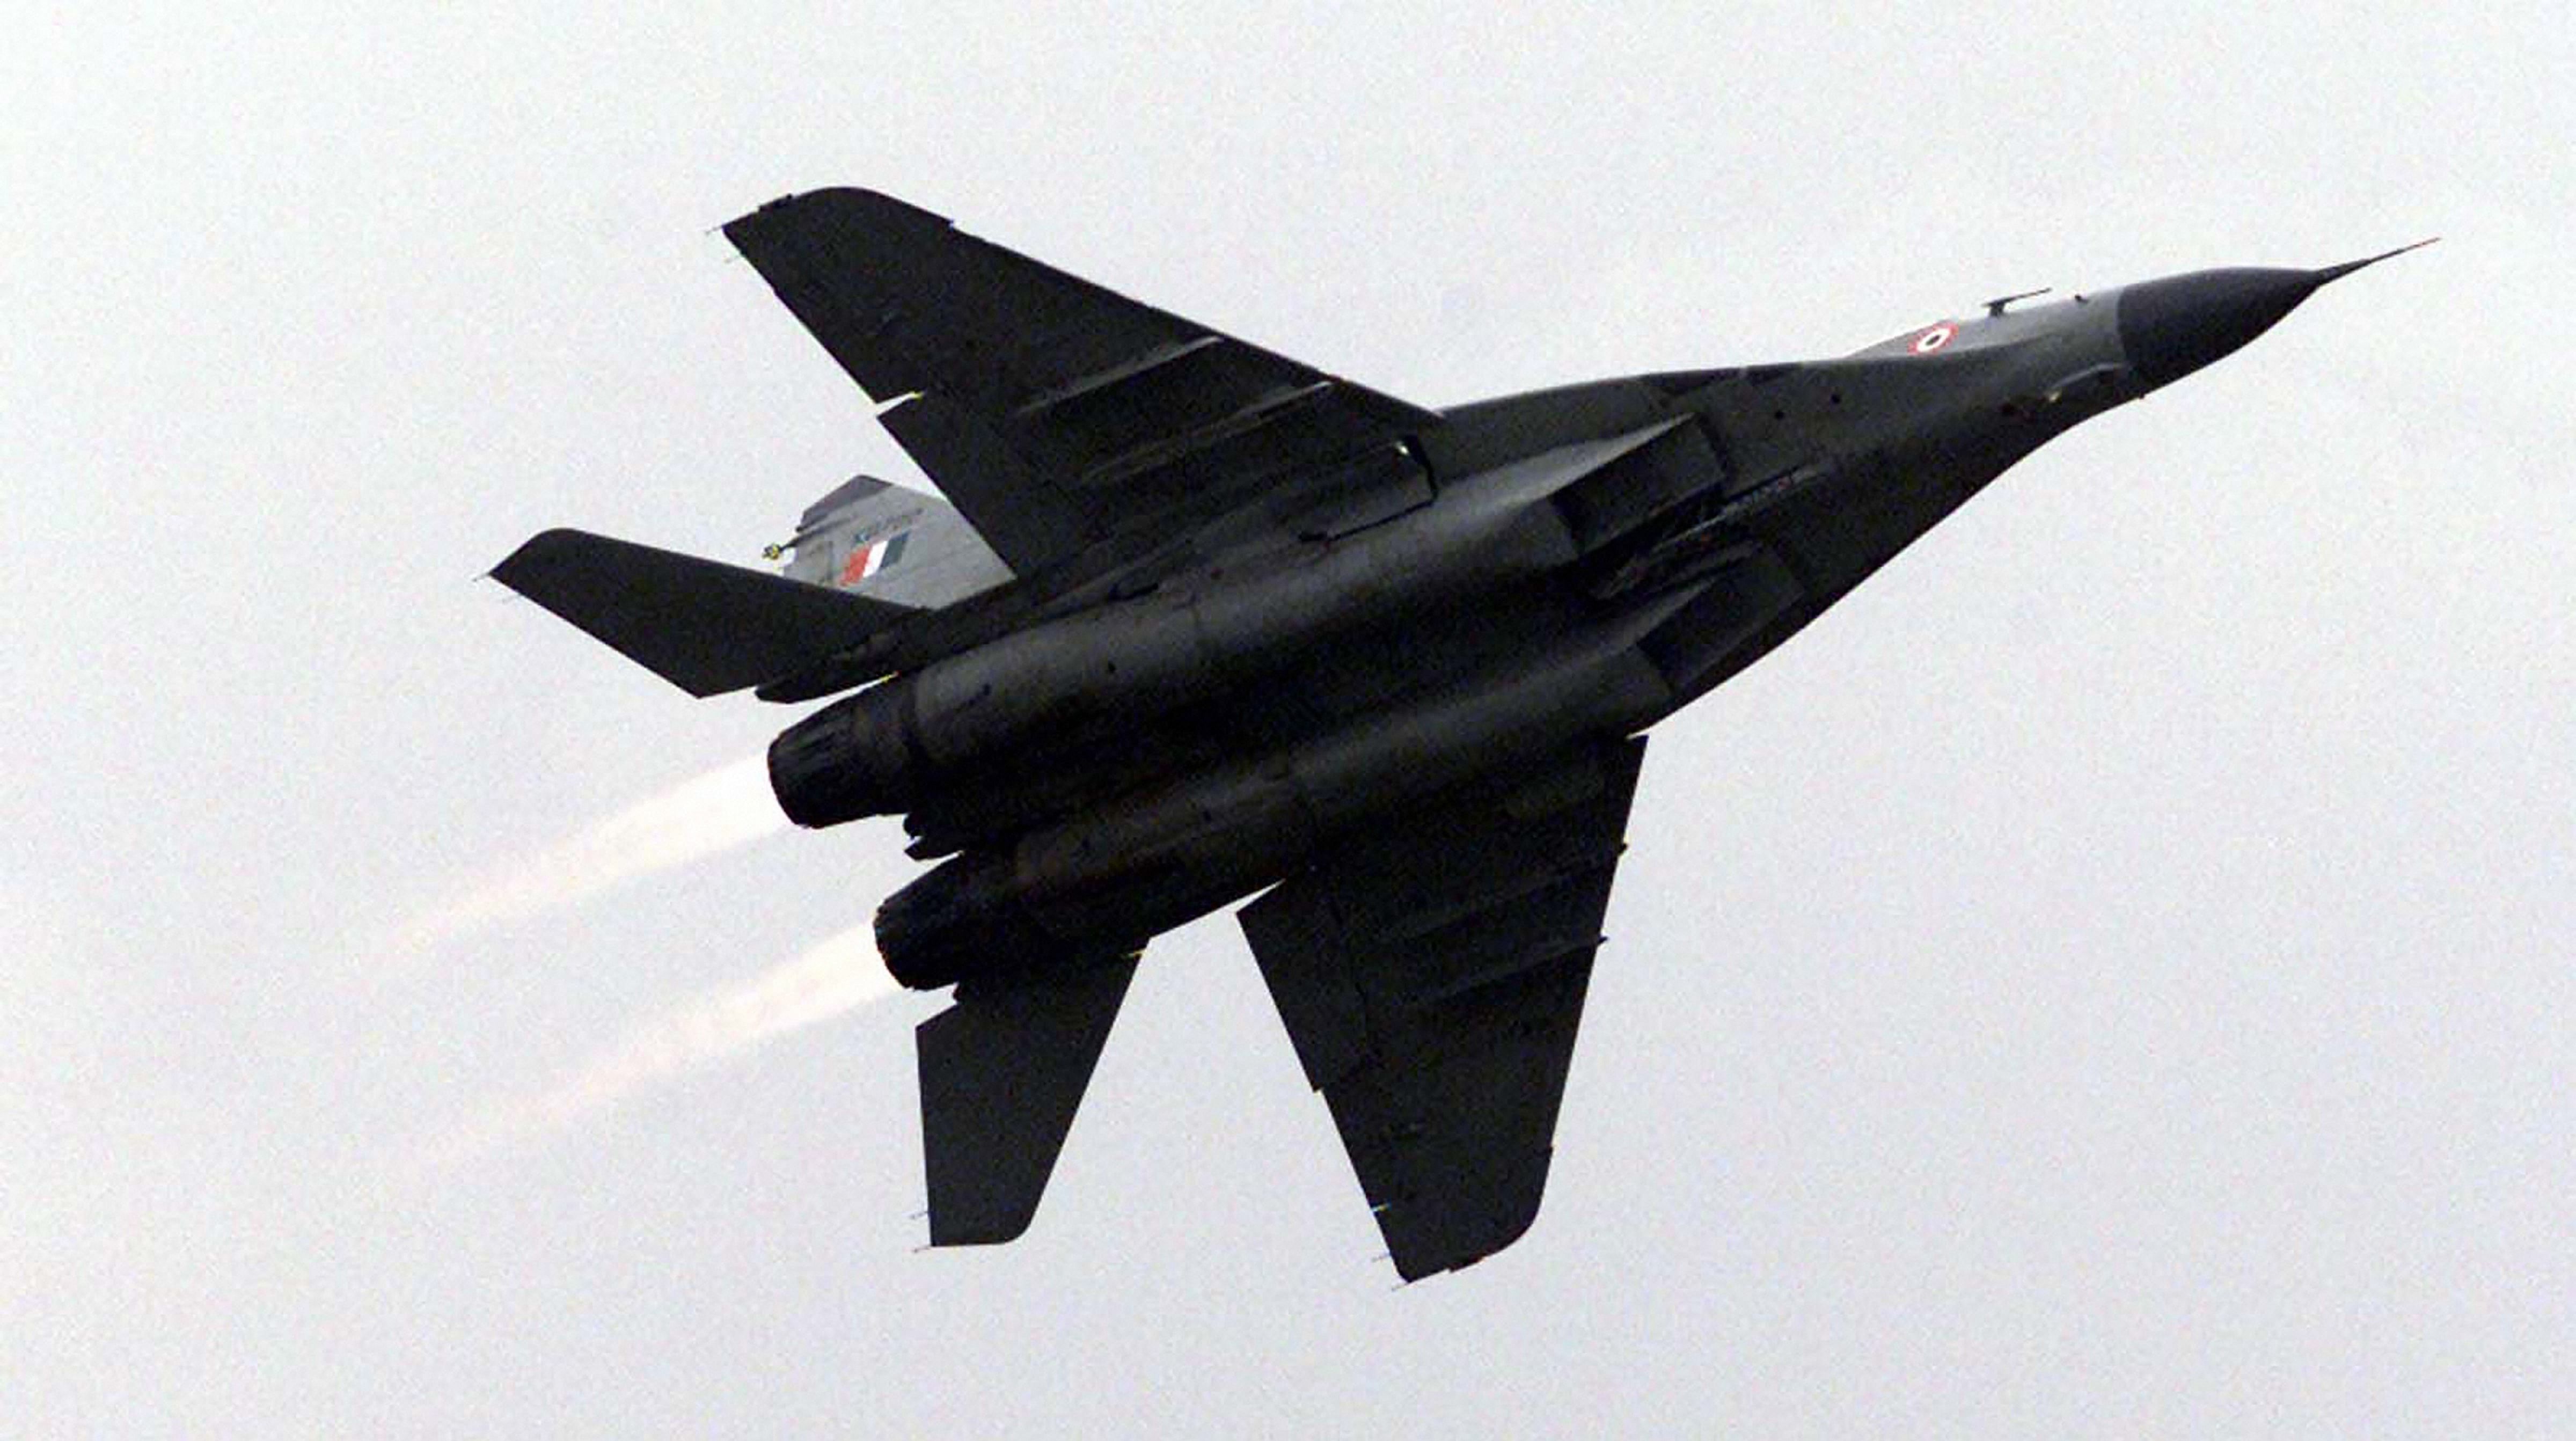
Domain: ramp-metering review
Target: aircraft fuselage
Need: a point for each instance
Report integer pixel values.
(1581, 561)
(1191, 619)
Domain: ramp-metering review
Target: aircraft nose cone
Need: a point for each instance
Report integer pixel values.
(2174, 326)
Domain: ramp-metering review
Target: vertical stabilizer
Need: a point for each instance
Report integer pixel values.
(887, 543)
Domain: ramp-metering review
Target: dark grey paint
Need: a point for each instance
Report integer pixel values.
(1264, 625)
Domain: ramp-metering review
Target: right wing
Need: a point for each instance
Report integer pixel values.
(1053, 413)
(1431, 974)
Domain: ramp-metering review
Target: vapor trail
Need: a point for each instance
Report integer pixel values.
(828, 979)
(724, 808)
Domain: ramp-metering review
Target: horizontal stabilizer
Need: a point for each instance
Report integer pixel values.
(1002, 1072)
(702, 625)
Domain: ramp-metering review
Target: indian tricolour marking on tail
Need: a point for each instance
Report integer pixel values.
(873, 557)
(698, 818)
(828, 979)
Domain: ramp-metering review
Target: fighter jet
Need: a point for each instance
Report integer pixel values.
(1191, 622)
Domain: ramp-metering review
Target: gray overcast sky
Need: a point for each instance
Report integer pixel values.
(2109, 977)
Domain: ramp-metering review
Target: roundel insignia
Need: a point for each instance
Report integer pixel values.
(1933, 339)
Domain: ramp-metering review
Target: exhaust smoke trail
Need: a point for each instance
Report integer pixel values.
(698, 818)
(830, 978)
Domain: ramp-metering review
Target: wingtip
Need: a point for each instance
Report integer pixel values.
(536, 551)
(946, 1235)
(833, 202)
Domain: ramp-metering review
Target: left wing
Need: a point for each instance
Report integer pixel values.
(1431, 975)
(1053, 413)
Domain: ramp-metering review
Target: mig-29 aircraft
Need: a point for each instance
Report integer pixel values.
(1191, 621)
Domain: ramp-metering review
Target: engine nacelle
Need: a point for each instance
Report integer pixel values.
(885, 748)
(955, 922)
(855, 757)
(1096, 885)
(967, 919)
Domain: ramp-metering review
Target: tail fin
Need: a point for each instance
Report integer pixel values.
(704, 626)
(889, 543)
